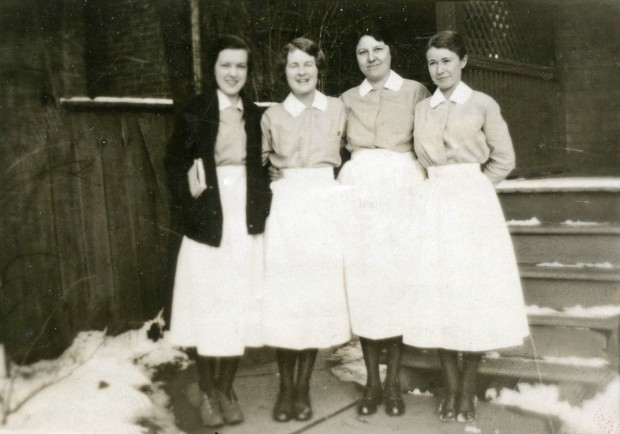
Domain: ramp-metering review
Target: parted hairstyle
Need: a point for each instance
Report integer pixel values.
(450, 40)
(378, 30)
(307, 46)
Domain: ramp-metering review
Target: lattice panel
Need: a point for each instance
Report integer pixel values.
(499, 30)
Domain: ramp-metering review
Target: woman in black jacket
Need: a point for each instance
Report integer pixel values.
(220, 199)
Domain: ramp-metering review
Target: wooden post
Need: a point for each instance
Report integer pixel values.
(196, 45)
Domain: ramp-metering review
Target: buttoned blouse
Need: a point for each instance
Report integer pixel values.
(296, 136)
(384, 118)
(230, 146)
(467, 128)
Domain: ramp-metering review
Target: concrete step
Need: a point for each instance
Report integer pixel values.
(562, 347)
(566, 244)
(555, 200)
(523, 369)
(559, 287)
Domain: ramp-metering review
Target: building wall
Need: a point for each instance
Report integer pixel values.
(125, 49)
(588, 48)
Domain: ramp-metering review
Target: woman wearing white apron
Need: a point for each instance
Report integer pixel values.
(385, 175)
(467, 295)
(305, 303)
(220, 200)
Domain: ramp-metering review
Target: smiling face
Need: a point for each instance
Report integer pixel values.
(445, 68)
(301, 73)
(231, 71)
(374, 58)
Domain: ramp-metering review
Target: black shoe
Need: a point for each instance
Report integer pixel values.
(394, 404)
(302, 407)
(369, 402)
(283, 410)
(447, 408)
(467, 408)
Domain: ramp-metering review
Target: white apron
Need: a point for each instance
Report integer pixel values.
(217, 291)
(467, 295)
(305, 303)
(377, 266)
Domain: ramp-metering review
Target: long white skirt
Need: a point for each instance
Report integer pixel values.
(305, 303)
(218, 290)
(377, 267)
(467, 293)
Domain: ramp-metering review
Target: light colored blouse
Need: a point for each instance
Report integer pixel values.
(467, 128)
(230, 144)
(382, 119)
(296, 136)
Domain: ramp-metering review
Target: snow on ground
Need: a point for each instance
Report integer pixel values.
(101, 384)
(559, 184)
(531, 222)
(599, 415)
(578, 310)
(350, 363)
(556, 264)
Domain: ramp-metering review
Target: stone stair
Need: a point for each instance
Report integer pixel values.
(566, 234)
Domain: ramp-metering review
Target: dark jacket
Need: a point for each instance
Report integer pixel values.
(194, 136)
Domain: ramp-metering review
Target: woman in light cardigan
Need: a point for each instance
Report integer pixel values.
(467, 295)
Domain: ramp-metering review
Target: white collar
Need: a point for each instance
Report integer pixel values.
(224, 102)
(460, 94)
(394, 82)
(294, 107)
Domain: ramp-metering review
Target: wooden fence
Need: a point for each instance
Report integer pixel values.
(85, 225)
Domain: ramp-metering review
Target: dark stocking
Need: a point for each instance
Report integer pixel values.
(471, 363)
(228, 369)
(393, 350)
(283, 410)
(306, 359)
(206, 374)
(450, 372)
(394, 404)
(371, 350)
(373, 394)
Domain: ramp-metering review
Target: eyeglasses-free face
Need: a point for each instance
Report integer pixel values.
(231, 71)
(301, 73)
(373, 58)
(445, 68)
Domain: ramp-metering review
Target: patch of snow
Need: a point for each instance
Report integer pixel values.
(492, 355)
(537, 310)
(350, 363)
(101, 384)
(599, 415)
(594, 362)
(103, 100)
(559, 184)
(580, 223)
(604, 311)
(556, 264)
(531, 222)
(472, 429)
(418, 392)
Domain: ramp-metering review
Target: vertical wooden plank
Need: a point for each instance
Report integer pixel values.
(156, 129)
(65, 169)
(87, 134)
(121, 226)
(142, 189)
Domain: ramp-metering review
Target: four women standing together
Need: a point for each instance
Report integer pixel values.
(381, 252)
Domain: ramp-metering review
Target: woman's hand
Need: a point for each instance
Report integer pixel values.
(196, 178)
(275, 173)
